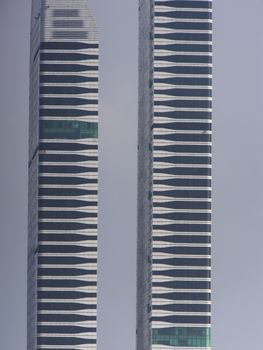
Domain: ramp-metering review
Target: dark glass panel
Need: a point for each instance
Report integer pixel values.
(60, 169)
(64, 237)
(64, 329)
(192, 319)
(182, 296)
(202, 137)
(184, 227)
(185, 25)
(66, 101)
(184, 171)
(185, 36)
(184, 126)
(61, 318)
(67, 45)
(184, 182)
(65, 272)
(71, 158)
(64, 295)
(68, 23)
(206, 239)
(67, 226)
(65, 13)
(184, 273)
(184, 250)
(185, 337)
(67, 68)
(60, 203)
(185, 47)
(185, 81)
(70, 34)
(183, 307)
(65, 249)
(65, 112)
(65, 306)
(47, 56)
(64, 341)
(65, 90)
(63, 146)
(185, 14)
(67, 260)
(54, 180)
(65, 214)
(65, 192)
(185, 4)
(184, 193)
(184, 284)
(185, 58)
(184, 148)
(184, 70)
(183, 261)
(184, 160)
(185, 103)
(66, 79)
(185, 92)
(183, 204)
(184, 216)
(65, 283)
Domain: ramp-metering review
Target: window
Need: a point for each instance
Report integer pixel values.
(64, 129)
(182, 336)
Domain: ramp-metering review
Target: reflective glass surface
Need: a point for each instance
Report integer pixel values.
(66, 129)
(182, 336)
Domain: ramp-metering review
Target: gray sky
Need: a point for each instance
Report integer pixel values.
(238, 173)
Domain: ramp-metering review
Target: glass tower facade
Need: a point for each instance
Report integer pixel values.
(63, 177)
(174, 175)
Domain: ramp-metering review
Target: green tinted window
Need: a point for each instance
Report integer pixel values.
(66, 129)
(182, 336)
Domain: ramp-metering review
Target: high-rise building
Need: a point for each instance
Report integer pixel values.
(174, 175)
(63, 177)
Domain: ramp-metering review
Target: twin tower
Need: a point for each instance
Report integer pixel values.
(174, 176)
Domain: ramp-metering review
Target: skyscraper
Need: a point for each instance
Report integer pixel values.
(63, 176)
(174, 175)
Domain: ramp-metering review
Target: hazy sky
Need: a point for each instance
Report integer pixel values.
(237, 173)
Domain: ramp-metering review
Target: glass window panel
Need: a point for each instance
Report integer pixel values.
(66, 129)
